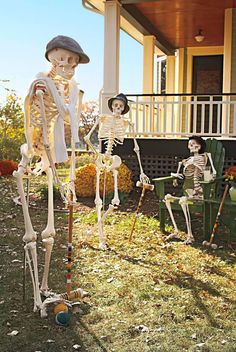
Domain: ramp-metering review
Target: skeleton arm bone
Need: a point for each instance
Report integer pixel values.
(143, 177)
(36, 86)
(88, 136)
(72, 178)
(212, 165)
(79, 106)
(177, 174)
(40, 94)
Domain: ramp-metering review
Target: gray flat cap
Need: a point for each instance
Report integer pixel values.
(67, 43)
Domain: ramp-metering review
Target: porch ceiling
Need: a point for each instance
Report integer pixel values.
(175, 22)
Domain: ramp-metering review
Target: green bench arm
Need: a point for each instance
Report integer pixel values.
(159, 183)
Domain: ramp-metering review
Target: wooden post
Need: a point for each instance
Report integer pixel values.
(137, 211)
(69, 245)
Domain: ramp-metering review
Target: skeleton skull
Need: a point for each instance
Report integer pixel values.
(117, 107)
(194, 146)
(64, 61)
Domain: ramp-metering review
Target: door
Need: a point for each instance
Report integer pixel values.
(207, 79)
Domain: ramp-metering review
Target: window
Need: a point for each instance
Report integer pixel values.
(160, 82)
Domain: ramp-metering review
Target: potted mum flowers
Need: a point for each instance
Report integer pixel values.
(230, 174)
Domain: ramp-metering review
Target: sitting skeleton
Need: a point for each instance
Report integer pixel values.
(112, 130)
(193, 168)
(53, 99)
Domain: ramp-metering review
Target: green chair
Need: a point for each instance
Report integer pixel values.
(210, 189)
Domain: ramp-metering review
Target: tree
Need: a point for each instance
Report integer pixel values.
(11, 128)
(89, 114)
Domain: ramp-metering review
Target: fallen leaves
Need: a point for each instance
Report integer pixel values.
(110, 279)
(13, 333)
(147, 292)
(142, 328)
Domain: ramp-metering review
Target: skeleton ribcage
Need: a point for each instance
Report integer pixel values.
(112, 130)
(193, 169)
(51, 113)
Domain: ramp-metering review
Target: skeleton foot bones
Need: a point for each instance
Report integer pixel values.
(53, 100)
(112, 130)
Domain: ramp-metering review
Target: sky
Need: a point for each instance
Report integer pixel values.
(26, 26)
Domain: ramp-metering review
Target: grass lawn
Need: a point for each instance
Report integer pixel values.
(145, 296)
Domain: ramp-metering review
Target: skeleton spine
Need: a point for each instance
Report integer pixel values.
(110, 143)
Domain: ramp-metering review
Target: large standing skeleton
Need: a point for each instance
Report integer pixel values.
(193, 169)
(53, 99)
(112, 130)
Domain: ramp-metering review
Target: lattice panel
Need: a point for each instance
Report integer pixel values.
(153, 165)
(159, 165)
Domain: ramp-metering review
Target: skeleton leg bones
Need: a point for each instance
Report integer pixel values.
(168, 200)
(30, 236)
(183, 201)
(184, 205)
(49, 232)
(115, 163)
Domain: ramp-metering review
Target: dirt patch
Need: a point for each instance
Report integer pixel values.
(149, 206)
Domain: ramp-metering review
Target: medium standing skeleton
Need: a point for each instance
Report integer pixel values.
(193, 168)
(53, 99)
(112, 131)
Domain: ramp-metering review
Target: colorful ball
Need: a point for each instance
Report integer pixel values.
(62, 318)
(60, 307)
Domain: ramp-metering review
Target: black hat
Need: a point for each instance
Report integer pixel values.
(121, 97)
(67, 43)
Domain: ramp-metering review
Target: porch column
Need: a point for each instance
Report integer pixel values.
(170, 89)
(229, 71)
(181, 84)
(170, 74)
(148, 64)
(229, 76)
(111, 53)
(179, 71)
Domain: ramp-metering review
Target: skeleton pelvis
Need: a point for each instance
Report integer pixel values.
(110, 162)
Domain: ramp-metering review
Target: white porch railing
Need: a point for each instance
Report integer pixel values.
(182, 115)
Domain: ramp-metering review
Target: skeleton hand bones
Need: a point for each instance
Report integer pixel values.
(143, 178)
(178, 174)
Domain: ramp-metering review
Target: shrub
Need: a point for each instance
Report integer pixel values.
(7, 167)
(11, 128)
(125, 181)
(42, 191)
(85, 185)
(80, 160)
(84, 159)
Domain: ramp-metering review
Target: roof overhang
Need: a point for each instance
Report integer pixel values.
(174, 23)
(131, 25)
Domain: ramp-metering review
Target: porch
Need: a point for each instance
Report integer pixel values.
(188, 76)
(183, 115)
(160, 155)
(163, 123)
